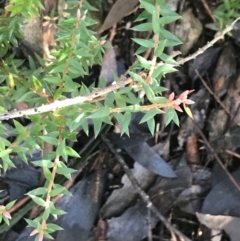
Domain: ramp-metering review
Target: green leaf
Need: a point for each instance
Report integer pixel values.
(9, 205)
(39, 201)
(85, 127)
(7, 163)
(175, 118)
(87, 107)
(38, 191)
(100, 113)
(56, 211)
(136, 77)
(168, 19)
(97, 124)
(53, 80)
(120, 102)
(59, 189)
(168, 59)
(145, 63)
(65, 170)
(148, 6)
(54, 227)
(43, 163)
(23, 157)
(144, 42)
(47, 174)
(71, 152)
(188, 111)
(61, 149)
(166, 11)
(58, 69)
(150, 115)
(160, 48)
(19, 127)
(109, 100)
(141, 49)
(142, 27)
(46, 213)
(155, 23)
(118, 117)
(50, 140)
(169, 36)
(149, 92)
(160, 100)
(169, 115)
(5, 152)
(151, 125)
(6, 220)
(125, 123)
(162, 70)
(32, 223)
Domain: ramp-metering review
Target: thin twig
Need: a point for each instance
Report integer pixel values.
(215, 97)
(143, 195)
(208, 10)
(149, 225)
(216, 156)
(67, 102)
(217, 37)
(233, 153)
(123, 81)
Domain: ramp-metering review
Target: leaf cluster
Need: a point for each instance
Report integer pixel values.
(42, 81)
